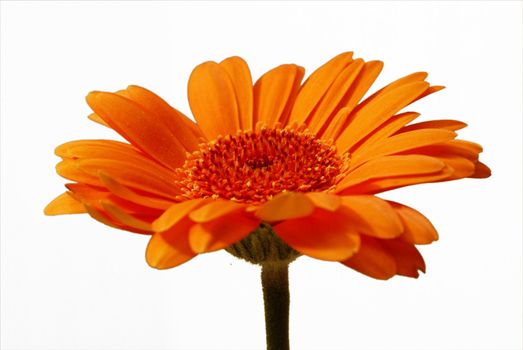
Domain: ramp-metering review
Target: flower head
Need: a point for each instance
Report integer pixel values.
(280, 161)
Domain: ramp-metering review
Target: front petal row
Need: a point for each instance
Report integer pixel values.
(366, 233)
(333, 228)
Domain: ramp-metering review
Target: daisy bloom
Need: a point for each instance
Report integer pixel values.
(269, 171)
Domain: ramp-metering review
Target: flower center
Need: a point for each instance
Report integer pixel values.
(253, 166)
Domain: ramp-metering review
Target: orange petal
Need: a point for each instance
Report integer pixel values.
(316, 86)
(335, 126)
(101, 216)
(454, 148)
(240, 76)
(126, 193)
(462, 167)
(97, 119)
(171, 248)
(361, 85)
(70, 170)
(126, 219)
(447, 124)
(411, 78)
(94, 196)
(139, 127)
(328, 105)
(373, 260)
(112, 150)
(468, 145)
(286, 205)
(274, 91)
(323, 200)
(382, 132)
(373, 216)
(430, 91)
(323, 235)
(408, 259)
(374, 186)
(124, 154)
(176, 213)
(88, 194)
(466, 149)
(221, 233)
(213, 100)
(404, 142)
(408, 79)
(215, 210)
(391, 166)
(64, 204)
(481, 171)
(127, 173)
(184, 129)
(100, 149)
(363, 82)
(284, 117)
(377, 111)
(418, 229)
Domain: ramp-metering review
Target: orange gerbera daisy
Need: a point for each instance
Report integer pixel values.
(297, 165)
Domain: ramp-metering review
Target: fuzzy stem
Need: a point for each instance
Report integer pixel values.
(275, 284)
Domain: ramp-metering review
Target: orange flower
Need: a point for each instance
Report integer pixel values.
(306, 160)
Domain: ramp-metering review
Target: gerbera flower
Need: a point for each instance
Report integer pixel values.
(269, 171)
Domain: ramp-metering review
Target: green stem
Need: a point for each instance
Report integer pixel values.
(275, 284)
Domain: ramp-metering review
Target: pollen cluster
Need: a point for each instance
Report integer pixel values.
(253, 166)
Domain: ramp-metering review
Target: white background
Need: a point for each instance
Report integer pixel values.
(71, 283)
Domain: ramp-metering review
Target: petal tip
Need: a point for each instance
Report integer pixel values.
(286, 205)
(92, 97)
(48, 210)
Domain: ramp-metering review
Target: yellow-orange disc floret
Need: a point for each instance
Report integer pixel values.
(254, 166)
